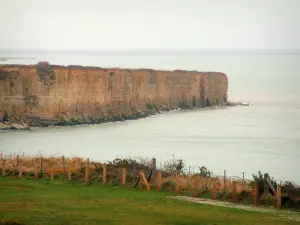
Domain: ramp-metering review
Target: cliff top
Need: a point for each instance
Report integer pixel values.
(111, 68)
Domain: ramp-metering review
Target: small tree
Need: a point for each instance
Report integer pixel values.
(179, 166)
(204, 172)
(173, 166)
(260, 179)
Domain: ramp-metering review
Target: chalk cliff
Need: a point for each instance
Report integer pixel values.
(41, 95)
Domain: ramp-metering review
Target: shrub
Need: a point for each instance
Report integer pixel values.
(290, 188)
(168, 186)
(224, 195)
(290, 203)
(45, 72)
(268, 199)
(204, 172)
(141, 163)
(173, 166)
(42, 67)
(130, 179)
(115, 182)
(260, 180)
(244, 196)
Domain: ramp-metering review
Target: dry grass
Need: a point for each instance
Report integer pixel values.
(77, 165)
(45, 164)
(206, 183)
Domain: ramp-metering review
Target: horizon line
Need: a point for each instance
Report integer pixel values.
(207, 51)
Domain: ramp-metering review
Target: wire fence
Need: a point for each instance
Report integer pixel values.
(144, 173)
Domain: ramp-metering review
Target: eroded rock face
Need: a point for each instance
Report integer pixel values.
(43, 94)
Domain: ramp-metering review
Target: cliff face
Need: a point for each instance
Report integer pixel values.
(51, 94)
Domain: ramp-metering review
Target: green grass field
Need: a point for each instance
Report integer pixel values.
(42, 201)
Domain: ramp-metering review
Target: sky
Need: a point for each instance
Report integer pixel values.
(215, 25)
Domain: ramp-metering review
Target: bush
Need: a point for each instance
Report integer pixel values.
(116, 182)
(290, 188)
(45, 72)
(131, 179)
(204, 172)
(244, 196)
(43, 67)
(137, 164)
(12, 172)
(268, 199)
(224, 195)
(30, 174)
(260, 180)
(290, 203)
(153, 186)
(168, 186)
(176, 166)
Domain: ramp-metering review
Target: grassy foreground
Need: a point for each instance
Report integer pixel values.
(41, 201)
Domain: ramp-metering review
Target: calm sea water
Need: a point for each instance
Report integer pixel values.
(265, 136)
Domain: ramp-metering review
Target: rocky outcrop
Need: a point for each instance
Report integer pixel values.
(42, 95)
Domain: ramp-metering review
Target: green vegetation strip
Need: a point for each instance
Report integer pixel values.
(29, 201)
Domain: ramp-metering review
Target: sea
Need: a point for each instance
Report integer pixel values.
(262, 137)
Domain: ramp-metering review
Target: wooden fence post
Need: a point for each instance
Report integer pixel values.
(177, 187)
(52, 170)
(143, 179)
(278, 197)
(20, 170)
(41, 164)
(86, 176)
(255, 194)
(36, 170)
(3, 168)
(64, 165)
(154, 171)
(17, 161)
(159, 181)
(123, 177)
(214, 190)
(88, 164)
(234, 191)
(69, 172)
(104, 173)
(243, 181)
(196, 185)
(224, 180)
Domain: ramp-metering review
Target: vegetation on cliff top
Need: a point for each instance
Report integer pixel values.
(46, 73)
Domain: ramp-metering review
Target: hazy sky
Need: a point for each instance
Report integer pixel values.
(150, 24)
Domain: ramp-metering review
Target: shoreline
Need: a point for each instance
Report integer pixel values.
(38, 123)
